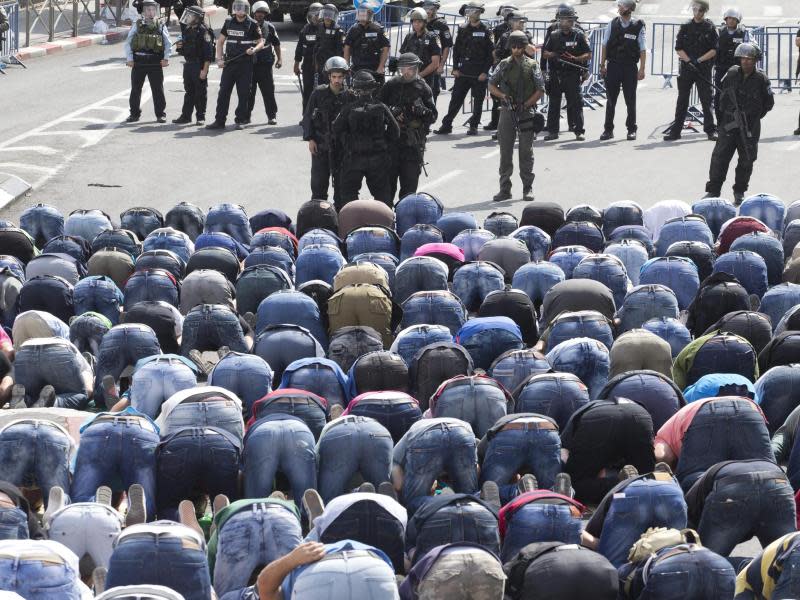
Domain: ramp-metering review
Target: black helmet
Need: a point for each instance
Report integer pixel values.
(565, 11)
(408, 59)
(363, 81)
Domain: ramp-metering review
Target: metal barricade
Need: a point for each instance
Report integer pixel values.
(779, 60)
(663, 59)
(9, 40)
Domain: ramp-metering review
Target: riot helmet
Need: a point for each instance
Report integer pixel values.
(150, 10)
(313, 12)
(240, 7)
(192, 15)
(408, 64)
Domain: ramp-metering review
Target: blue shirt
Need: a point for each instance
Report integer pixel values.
(642, 39)
(709, 386)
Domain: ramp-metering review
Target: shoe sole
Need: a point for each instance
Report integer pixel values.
(313, 505)
(220, 501)
(387, 489)
(366, 488)
(110, 393)
(490, 493)
(563, 485)
(103, 495)
(55, 502)
(17, 397)
(99, 580)
(188, 517)
(137, 510)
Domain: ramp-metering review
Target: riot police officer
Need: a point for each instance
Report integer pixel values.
(567, 53)
(502, 45)
(323, 107)
(330, 39)
(305, 49)
(439, 26)
(424, 45)
(240, 38)
(472, 60)
(264, 59)
(410, 99)
(730, 36)
(624, 45)
(366, 45)
(197, 48)
(518, 84)
(696, 45)
(365, 129)
(147, 50)
(504, 12)
(745, 99)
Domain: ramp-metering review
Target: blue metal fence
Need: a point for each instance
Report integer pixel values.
(9, 46)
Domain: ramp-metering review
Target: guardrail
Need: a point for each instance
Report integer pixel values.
(54, 17)
(9, 40)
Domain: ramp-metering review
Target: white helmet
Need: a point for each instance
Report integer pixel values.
(260, 6)
(733, 13)
(418, 14)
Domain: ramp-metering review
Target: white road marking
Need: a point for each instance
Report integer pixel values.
(106, 67)
(793, 147)
(494, 152)
(440, 180)
(46, 150)
(28, 167)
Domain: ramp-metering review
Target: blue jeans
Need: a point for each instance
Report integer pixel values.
(778, 300)
(487, 345)
(457, 522)
(776, 389)
(501, 223)
(511, 369)
(419, 273)
(211, 326)
(444, 447)
(453, 223)
(371, 239)
(353, 445)
(723, 355)
(161, 560)
(124, 345)
(716, 212)
(416, 208)
(39, 580)
(418, 236)
(632, 255)
(187, 218)
(651, 390)
(588, 324)
(674, 272)
(221, 240)
(224, 414)
(275, 239)
(579, 234)
(86, 224)
(35, 452)
(152, 384)
(540, 522)
(434, 308)
(116, 238)
(311, 413)
(86, 332)
(141, 221)
(671, 331)
(318, 262)
(768, 248)
(556, 395)
(537, 241)
(684, 229)
(57, 364)
(230, 219)
(608, 271)
(272, 446)
(748, 267)
(766, 208)
(318, 236)
(536, 279)
(281, 345)
(584, 357)
(531, 450)
(410, 341)
(98, 294)
(167, 240)
(645, 503)
(386, 261)
(396, 415)
(320, 378)
(246, 375)
(150, 285)
(645, 302)
(568, 257)
(196, 460)
(271, 255)
(640, 233)
(474, 402)
(471, 241)
(291, 307)
(791, 237)
(251, 539)
(473, 282)
(13, 524)
(619, 214)
(42, 222)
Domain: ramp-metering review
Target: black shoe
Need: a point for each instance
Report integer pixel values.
(182, 120)
(550, 137)
(161, 118)
(501, 195)
(17, 397)
(671, 137)
(444, 130)
(132, 119)
(239, 126)
(490, 126)
(216, 125)
(386, 489)
(527, 195)
(472, 131)
(246, 121)
(201, 121)
(366, 488)
(494, 137)
(712, 137)
(797, 131)
(606, 135)
(272, 121)
(631, 135)
(579, 137)
(738, 198)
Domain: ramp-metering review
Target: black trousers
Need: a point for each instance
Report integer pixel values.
(686, 79)
(323, 169)
(437, 86)
(195, 95)
(238, 74)
(728, 143)
(621, 76)
(372, 167)
(568, 84)
(308, 82)
(406, 169)
(462, 86)
(155, 75)
(262, 79)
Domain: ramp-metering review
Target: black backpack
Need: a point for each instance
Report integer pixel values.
(517, 306)
(316, 214)
(717, 296)
(434, 364)
(161, 259)
(379, 371)
(258, 282)
(47, 293)
(547, 216)
(755, 327)
(216, 259)
(347, 344)
(16, 242)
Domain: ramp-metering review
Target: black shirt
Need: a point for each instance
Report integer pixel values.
(473, 50)
(306, 44)
(366, 44)
(440, 28)
(322, 109)
(574, 42)
(240, 35)
(696, 39)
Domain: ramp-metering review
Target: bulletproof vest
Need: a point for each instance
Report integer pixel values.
(366, 124)
(328, 43)
(366, 46)
(563, 42)
(514, 71)
(194, 41)
(147, 44)
(266, 56)
(473, 44)
(727, 47)
(421, 46)
(748, 94)
(623, 45)
(308, 38)
(238, 40)
(698, 38)
(499, 30)
(329, 107)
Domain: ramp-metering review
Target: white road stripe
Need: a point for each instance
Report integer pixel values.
(28, 167)
(440, 180)
(494, 152)
(46, 150)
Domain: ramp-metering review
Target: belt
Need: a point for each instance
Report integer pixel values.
(350, 554)
(299, 400)
(535, 425)
(775, 476)
(37, 554)
(140, 421)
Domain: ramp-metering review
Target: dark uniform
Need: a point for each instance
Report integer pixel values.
(330, 42)
(623, 54)
(238, 71)
(755, 99)
(472, 57)
(365, 130)
(425, 47)
(304, 54)
(724, 60)
(440, 28)
(148, 47)
(366, 45)
(544, 66)
(197, 49)
(696, 39)
(262, 72)
(565, 79)
(322, 109)
(412, 104)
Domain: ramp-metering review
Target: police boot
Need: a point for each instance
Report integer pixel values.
(527, 195)
(738, 198)
(501, 195)
(490, 126)
(181, 120)
(550, 137)
(606, 135)
(472, 131)
(216, 125)
(132, 119)
(444, 129)
(672, 136)
(797, 131)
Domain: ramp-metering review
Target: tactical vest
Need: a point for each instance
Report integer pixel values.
(366, 47)
(329, 107)
(503, 46)
(308, 41)
(366, 125)
(623, 45)
(421, 46)
(727, 47)
(510, 81)
(474, 46)
(238, 39)
(147, 44)
(563, 42)
(266, 56)
(329, 43)
(698, 38)
(440, 28)
(194, 41)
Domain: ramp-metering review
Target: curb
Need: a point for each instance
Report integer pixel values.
(116, 34)
(12, 188)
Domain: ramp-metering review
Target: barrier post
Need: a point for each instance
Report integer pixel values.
(75, 18)
(51, 16)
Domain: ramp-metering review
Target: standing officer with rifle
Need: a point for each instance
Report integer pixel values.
(745, 98)
(424, 45)
(730, 36)
(366, 45)
(439, 26)
(517, 83)
(305, 50)
(411, 101)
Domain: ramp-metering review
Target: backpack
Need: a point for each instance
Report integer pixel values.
(216, 259)
(378, 371)
(257, 283)
(434, 364)
(656, 538)
(17, 242)
(117, 238)
(349, 343)
(186, 217)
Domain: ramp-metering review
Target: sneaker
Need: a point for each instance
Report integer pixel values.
(56, 500)
(132, 119)
(110, 392)
(17, 397)
(336, 411)
(631, 136)
(738, 198)
(550, 137)
(579, 137)
(527, 483)
(563, 485)
(47, 397)
(272, 121)
(181, 120)
(490, 126)
(103, 495)
(606, 135)
(197, 359)
(220, 501)
(527, 195)
(366, 488)
(671, 137)
(447, 491)
(662, 467)
(444, 130)
(216, 125)
(89, 358)
(223, 352)
(239, 126)
(188, 517)
(278, 495)
(712, 137)
(137, 510)
(385, 488)
(200, 122)
(313, 504)
(490, 493)
(628, 472)
(472, 131)
(501, 195)
(161, 119)
(99, 580)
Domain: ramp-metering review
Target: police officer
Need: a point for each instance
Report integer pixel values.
(366, 45)
(567, 53)
(504, 11)
(696, 45)
(410, 99)
(197, 48)
(365, 129)
(147, 49)
(518, 84)
(502, 44)
(747, 91)
(269, 55)
(424, 44)
(330, 39)
(439, 26)
(323, 107)
(730, 36)
(624, 45)
(305, 49)
(240, 38)
(472, 60)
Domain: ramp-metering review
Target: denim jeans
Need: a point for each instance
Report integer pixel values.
(98, 294)
(640, 233)
(650, 389)
(318, 236)
(395, 411)
(167, 238)
(540, 522)
(210, 327)
(460, 521)
(13, 524)
(141, 221)
(473, 281)
(371, 239)
(86, 224)
(632, 254)
(453, 223)
(116, 449)
(723, 353)
(42, 222)
(386, 261)
(272, 446)
(419, 273)
(621, 213)
(276, 239)
(556, 395)
(568, 257)
(768, 248)
(699, 253)
(776, 389)
(471, 241)
(778, 300)
(501, 223)
(645, 302)
(196, 460)
(46, 361)
(224, 414)
(671, 331)
(643, 504)
(479, 402)
(230, 219)
(121, 347)
(307, 410)
(537, 241)
(320, 376)
(271, 255)
(152, 384)
(281, 345)
(674, 272)
(353, 444)
(791, 237)
(416, 237)
(579, 234)
(168, 560)
(536, 279)
(150, 285)
(532, 450)
(487, 344)
(608, 270)
(187, 218)
(35, 452)
(119, 239)
(318, 262)
(355, 575)
(221, 240)
(38, 574)
(417, 208)
(87, 529)
(766, 208)
(683, 229)
(716, 212)
(584, 323)
(411, 340)
(434, 308)
(584, 357)
(251, 538)
(246, 375)
(748, 267)
(292, 307)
